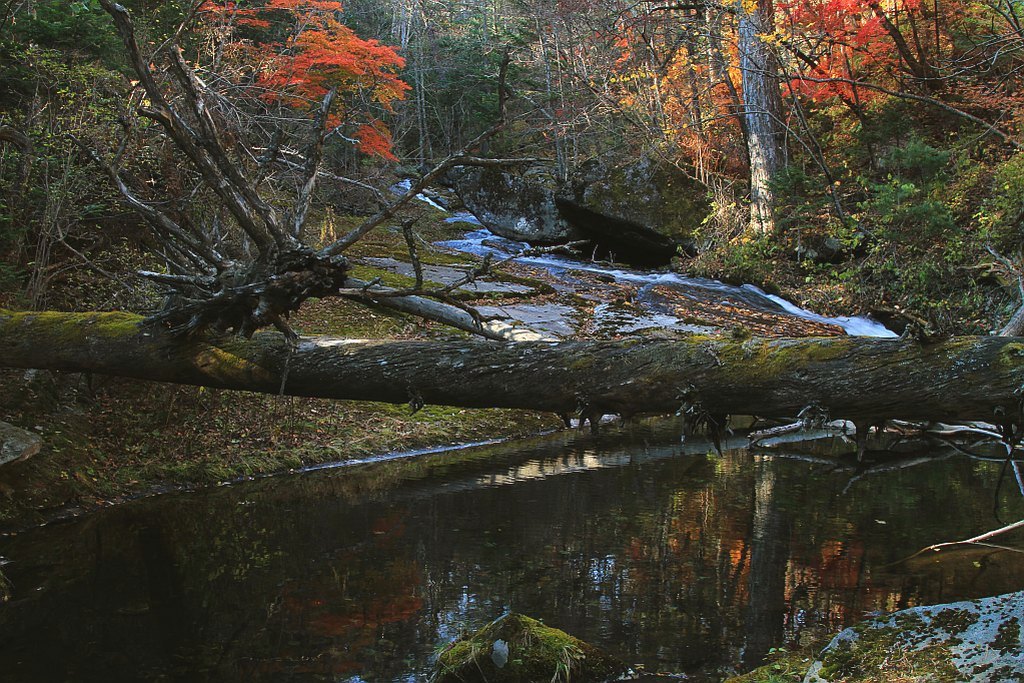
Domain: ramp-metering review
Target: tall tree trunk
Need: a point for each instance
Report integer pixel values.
(862, 379)
(762, 107)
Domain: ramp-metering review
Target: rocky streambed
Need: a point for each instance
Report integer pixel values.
(560, 294)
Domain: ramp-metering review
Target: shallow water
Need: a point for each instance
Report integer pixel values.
(658, 551)
(481, 243)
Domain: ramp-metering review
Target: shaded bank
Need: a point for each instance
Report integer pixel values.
(631, 541)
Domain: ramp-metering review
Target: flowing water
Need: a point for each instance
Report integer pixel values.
(652, 290)
(660, 551)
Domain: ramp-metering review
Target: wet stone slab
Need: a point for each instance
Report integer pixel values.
(548, 319)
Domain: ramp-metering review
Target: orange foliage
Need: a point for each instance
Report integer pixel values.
(302, 50)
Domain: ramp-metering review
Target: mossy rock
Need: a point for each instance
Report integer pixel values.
(975, 640)
(645, 191)
(518, 649)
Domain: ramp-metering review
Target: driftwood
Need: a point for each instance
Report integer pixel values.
(860, 379)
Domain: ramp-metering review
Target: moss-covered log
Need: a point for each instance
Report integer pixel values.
(862, 379)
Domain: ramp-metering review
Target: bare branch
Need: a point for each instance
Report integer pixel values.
(313, 156)
(450, 314)
(200, 253)
(238, 193)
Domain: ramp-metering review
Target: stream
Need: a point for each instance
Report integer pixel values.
(659, 300)
(664, 553)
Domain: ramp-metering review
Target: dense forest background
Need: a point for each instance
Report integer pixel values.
(861, 154)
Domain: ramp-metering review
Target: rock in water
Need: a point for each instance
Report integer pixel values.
(975, 640)
(513, 207)
(518, 649)
(666, 201)
(17, 444)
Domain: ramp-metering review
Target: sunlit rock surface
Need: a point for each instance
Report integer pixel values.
(17, 444)
(646, 192)
(975, 640)
(513, 207)
(642, 212)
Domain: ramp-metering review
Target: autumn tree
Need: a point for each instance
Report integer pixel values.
(295, 51)
(762, 111)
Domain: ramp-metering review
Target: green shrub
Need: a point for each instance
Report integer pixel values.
(1001, 217)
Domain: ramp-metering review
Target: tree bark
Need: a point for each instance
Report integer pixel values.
(762, 107)
(861, 379)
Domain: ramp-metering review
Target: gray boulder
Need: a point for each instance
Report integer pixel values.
(974, 640)
(511, 206)
(648, 193)
(17, 444)
(641, 213)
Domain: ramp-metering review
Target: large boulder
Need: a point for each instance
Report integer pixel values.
(518, 649)
(17, 444)
(641, 213)
(974, 640)
(511, 206)
(648, 193)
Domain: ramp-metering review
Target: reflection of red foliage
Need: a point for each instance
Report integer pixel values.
(389, 527)
(397, 608)
(840, 564)
(341, 610)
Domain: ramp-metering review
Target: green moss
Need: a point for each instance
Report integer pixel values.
(889, 653)
(518, 649)
(1012, 354)
(71, 327)
(954, 620)
(785, 667)
(1008, 637)
(582, 364)
(766, 359)
(388, 278)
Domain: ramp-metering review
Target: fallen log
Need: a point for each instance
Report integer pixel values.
(862, 379)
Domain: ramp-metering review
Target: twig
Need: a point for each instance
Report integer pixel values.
(410, 242)
(976, 539)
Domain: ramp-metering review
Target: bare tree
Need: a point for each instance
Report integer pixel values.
(219, 283)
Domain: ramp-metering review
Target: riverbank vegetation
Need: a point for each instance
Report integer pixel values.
(254, 170)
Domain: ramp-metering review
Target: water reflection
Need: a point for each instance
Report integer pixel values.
(658, 551)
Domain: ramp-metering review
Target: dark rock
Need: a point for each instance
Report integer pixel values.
(620, 240)
(518, 649)
(648, 193)
(824, 250)
(512, 207)
(642, 214)
(17, 444)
